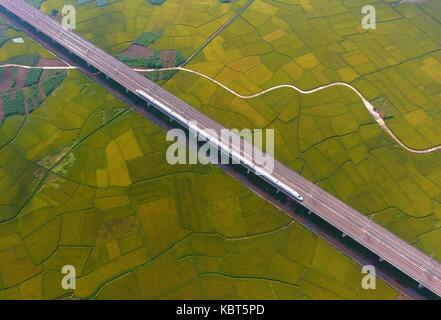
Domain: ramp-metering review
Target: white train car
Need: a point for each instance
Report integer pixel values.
(227, 149)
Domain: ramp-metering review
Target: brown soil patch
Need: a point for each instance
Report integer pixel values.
(4, 80)
(33, 103)
(2, 113)
(114, 229)
(168, 58)
(41, 91)
(26, 106)
(21, 77)
(43, 62)
(137, 51)
(3, 28)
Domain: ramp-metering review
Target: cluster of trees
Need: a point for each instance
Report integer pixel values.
(13, 106)
(33, 77)
(52, 83)
(151, 63)
(147, 38)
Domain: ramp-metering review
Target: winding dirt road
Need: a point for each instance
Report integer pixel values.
(369, 107)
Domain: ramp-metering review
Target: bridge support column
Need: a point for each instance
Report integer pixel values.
(420, 286)
(309, 212)
(380, 259)
(248, 171)
(344, 235)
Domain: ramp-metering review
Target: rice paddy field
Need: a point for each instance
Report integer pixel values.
(136, 227)
(328, 136)
(116, 24)
(85, 181)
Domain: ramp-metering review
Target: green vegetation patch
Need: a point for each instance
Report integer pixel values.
(33, 77)
(3, 40)
(154, 62)
(28, 60)
(147, 38)
(34, 98)
(161, 76)
(13, 106)
(52, 83)
(151, 63)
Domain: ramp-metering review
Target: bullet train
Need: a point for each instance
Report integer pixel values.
(191, 125)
